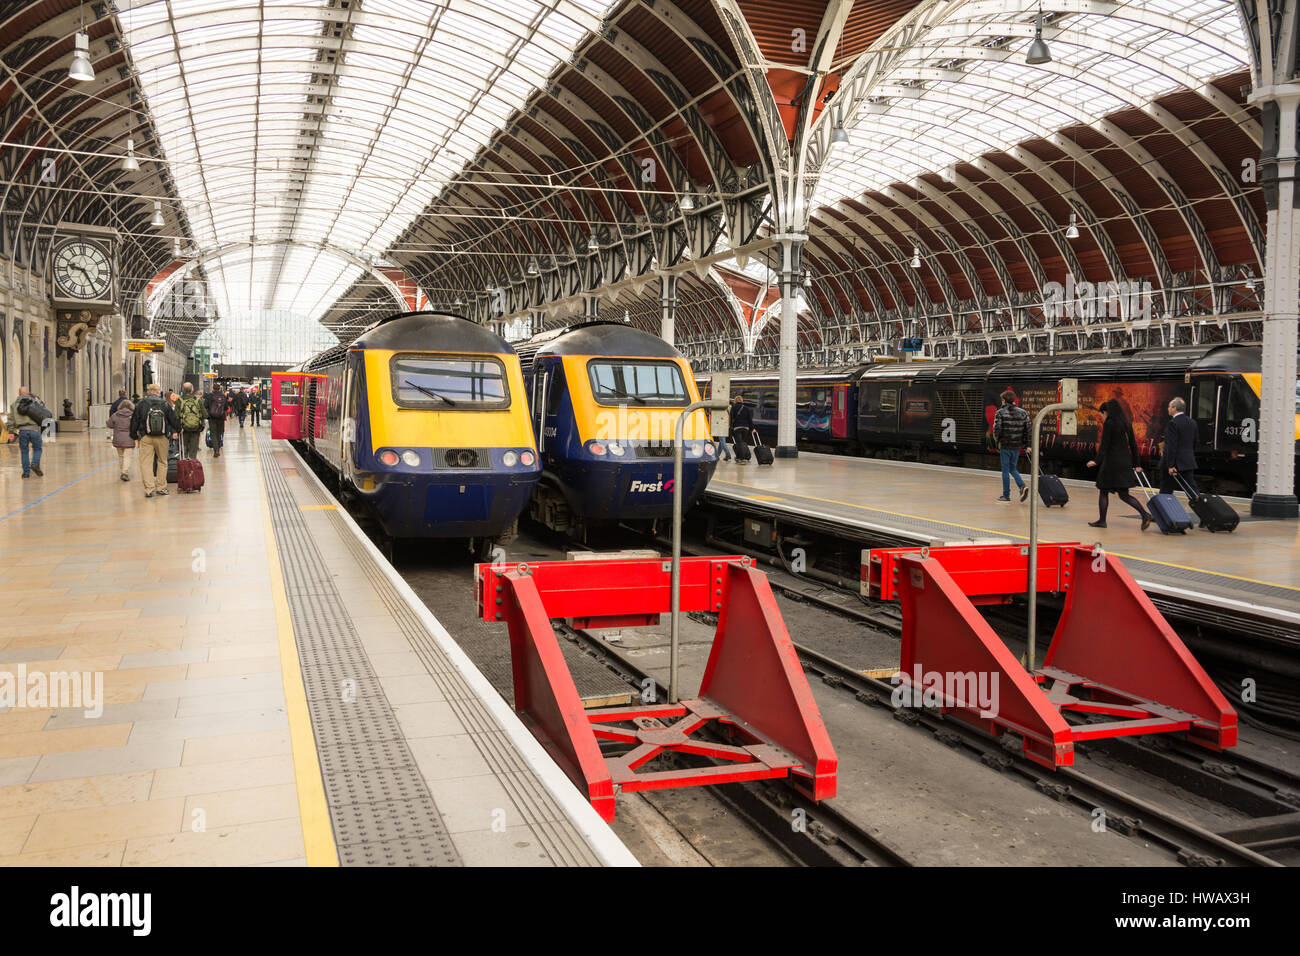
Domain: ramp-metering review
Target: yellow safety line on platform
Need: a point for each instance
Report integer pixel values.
(1007, 534)
(318, 507)
(317, 834)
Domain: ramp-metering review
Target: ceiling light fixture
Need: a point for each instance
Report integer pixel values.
(80, 69)
(1250, 280)
(532, 266)
(916, 257)
(176, 248)
(687, 203)
(839, 135)
(1072, 230)
(1038, 53)
(129, 161)
(592, 244)
(157, 219)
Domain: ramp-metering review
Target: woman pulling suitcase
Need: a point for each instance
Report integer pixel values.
(1116, 463)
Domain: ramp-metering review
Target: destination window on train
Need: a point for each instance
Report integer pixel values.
(641, 382)
(448, 381)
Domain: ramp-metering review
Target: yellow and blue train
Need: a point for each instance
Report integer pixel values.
(423, 418)
(605, 399)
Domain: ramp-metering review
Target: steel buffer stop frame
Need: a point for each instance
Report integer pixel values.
(754, 692)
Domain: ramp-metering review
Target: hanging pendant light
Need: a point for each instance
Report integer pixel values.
(687, 203)
(592, 244)
(1038, 53)
(157, 219)
(916, 257)
(839, 135)
(80, 68)
(129, 161)
(176, 248)
(1072, 230)
(459, 302)
(532, 266)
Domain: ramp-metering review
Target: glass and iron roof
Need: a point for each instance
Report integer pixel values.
(960, 87)
(303, 137)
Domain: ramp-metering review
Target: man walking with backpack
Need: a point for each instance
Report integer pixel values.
(191, 414)
(26, 415)
(1011, 429)
(153, 421)
(218, 407)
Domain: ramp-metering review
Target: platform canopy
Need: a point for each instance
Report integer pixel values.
(533, 162)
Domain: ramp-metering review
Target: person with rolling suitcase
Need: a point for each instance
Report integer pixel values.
(1214, 513)
(1178, 461)
(1011, 431)
(762, 454)
(1169, 514)
(742, 425)
(1116, 464)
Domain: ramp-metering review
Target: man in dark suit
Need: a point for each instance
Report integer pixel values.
(1179, 457)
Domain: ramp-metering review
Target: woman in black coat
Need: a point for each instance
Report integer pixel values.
(1116, 463)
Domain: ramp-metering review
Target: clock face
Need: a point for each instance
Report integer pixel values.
(82, 270)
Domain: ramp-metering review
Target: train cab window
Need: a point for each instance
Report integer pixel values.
(1242, 402)
(888, 399)
(554, 391)
(641, 381)
(288, 391)
(448, 381)
(1206, 393)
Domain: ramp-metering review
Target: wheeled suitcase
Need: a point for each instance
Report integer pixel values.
(1170, 515)
(1052, 491)
(190, 474)
(173, 456)
(1214, 513)
(762, 454)
(739, 446)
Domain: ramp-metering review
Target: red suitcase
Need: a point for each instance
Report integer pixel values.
(189, 475)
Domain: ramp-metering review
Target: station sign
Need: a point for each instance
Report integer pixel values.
(146, 345)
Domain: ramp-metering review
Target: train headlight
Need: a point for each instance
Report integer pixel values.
(697, 449)
(709, 449)
(388, 457)
(616, 449)
(596, 448)
(527, 458)
(509, 459)
(411, 458)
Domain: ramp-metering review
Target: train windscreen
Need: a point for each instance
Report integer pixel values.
(615, 382)
(447, 381)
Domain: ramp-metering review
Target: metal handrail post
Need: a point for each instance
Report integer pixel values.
(1031, 593)
(713, 405)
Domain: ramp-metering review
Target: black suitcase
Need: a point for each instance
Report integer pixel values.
(762, 454)
(173, 457)
(1052, 491)
(1215, 513)
(739, 446)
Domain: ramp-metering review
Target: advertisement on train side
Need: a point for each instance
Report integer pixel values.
(1144, 403)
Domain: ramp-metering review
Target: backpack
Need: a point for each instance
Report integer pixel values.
(156, 418)
(216, 405)
(191, 413)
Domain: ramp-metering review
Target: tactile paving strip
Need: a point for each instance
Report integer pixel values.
(380, 807)
(562, 842)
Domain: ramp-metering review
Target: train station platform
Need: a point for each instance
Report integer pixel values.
(1252, 571)
(236, 677)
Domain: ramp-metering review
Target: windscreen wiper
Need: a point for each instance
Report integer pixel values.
(431, 392)
(635, 398)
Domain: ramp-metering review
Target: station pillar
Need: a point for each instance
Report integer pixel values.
(1275, 483)
(788, 357)
(668, 306)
